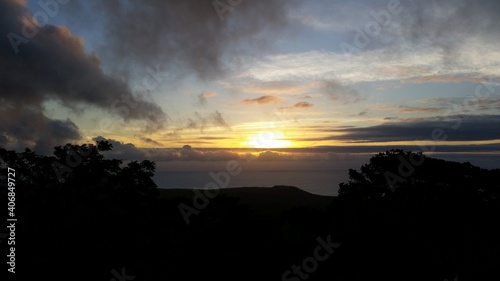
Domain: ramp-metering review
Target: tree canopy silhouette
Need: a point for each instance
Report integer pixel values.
(77, 206)
(408, 216)
(401, 216)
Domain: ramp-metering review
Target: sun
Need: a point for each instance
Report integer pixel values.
(268, 140)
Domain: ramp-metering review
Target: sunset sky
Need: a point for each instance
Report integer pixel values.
(335, 76)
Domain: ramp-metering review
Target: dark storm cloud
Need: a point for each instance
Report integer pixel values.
(40, 63)
(31, 128)
(187, 35)
(456, 128)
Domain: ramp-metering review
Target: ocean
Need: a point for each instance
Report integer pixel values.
(317, 177)
(321, 182)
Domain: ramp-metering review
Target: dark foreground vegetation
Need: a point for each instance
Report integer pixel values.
(84, 217)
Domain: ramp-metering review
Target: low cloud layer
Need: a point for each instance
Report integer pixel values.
(455, 127)
(326, 157)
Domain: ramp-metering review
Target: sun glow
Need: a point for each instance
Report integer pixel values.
(268, 140)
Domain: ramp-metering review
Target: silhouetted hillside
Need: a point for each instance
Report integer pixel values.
(266, 203)
(402, 216)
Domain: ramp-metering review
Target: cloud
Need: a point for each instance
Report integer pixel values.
(444, 79)
(341, 93)
(432, 100)
(273, 156)
(478, 61)
(433, 24)
(456, 127)
(463, 104)
(271, 87)
(299, 105)
(263, 100)
(408, 109)
(201, 122)
(186, 35)
(53, 64)
(126, 151)
(203, 98)
(188, 153)
(31, 128)
(151, 141)
(440, 23)
(333, 154)
(219, 120)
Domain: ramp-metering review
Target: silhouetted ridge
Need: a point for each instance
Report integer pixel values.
(433, 220)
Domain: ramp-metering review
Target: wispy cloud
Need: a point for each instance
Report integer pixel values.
(340, 93)
(271, 87)
(432, 100)
(444, 79)
(263, 100)
(203, 121)
(203, 98)
(410, 109)
(299, 105)
(380, 65)
(151, 141)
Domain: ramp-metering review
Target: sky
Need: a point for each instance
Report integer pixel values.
(258, 79)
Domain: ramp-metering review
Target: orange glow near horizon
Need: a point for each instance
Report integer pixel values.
(268, 140)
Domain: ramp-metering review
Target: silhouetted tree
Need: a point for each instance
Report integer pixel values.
(407, 216)
(77, 206)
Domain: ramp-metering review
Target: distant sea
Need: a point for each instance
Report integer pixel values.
(322, 182)
(317, 177)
